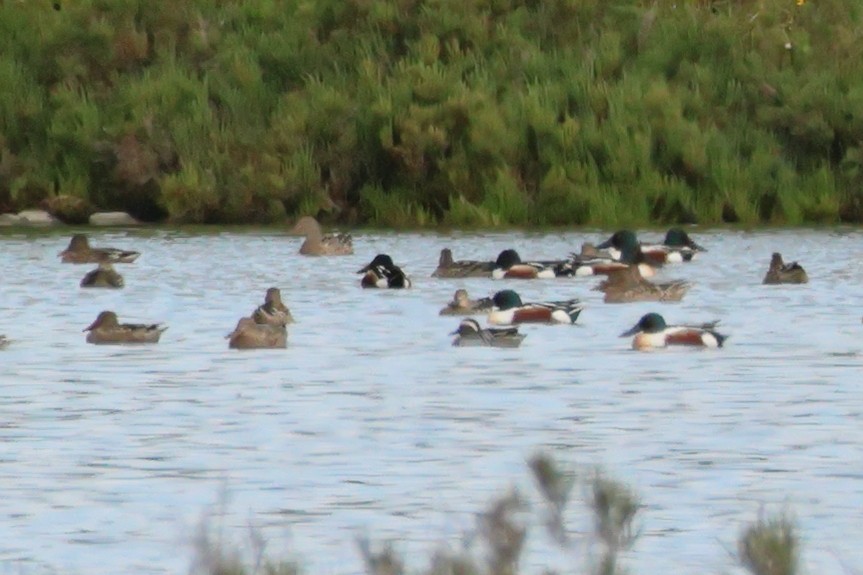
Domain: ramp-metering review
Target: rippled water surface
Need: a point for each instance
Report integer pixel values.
(371, 423)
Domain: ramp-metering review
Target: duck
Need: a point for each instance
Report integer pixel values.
(80, 252)
(106, 329)
(273, 311)
(509, 309)
(381, 272)
(450, 268)
(461, 304)
(509, 265)
(252, 335)
(651, 331)
(627, 285)
(4, 342)
(623, 249)
(677, 247)
(319, 244)
(782, 273)
(469, 333)
(104, 276)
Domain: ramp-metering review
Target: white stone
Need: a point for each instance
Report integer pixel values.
(11, 220)
(38, 218)
(112, 219)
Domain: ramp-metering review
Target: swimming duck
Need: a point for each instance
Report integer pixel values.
(509, 265)
(469, 333)
(381, 272)
(509, 309)
(4, 342)
(107, 330)
(627, 285)
(651, 331)
(449, 268)
(319, 244)
(251, 335)
(624, 250)
(80, 252)
(104, 276)
(461, 304)
(675, 248)
(273, 311)
(782, 273)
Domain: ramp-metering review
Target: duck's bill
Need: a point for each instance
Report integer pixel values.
(631, 331)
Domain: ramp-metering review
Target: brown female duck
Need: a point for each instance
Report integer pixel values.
(79, 251)
(108, 330)
(104, 276)
(319, 244)
(251, 335)
(273, 311)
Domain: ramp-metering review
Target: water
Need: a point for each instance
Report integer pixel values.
(370, 423)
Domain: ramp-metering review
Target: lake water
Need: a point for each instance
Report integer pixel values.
(370, 423)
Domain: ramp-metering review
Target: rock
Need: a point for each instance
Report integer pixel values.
(11, 220)
(68, 209)
(38, 218)
(113, 219)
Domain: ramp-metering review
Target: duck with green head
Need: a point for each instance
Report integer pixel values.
(509, 310)
(651, 332)
(625, 251)
(675, 248)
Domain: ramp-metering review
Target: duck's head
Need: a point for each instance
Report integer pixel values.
(445, 258)
(626, 242)
(78, 243)
(273, 296)
(678, 238)
(506, 299)
(467, 326)
(460, 297)
(649, 323)
(104, 319)
(506, 259)
(306, 225)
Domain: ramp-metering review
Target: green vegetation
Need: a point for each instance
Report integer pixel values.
(435, 112)
(768, 547)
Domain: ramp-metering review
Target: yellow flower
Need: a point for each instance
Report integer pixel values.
(801, 2)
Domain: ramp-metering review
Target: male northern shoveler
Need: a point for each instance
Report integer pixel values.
(80, 252)
(510, 265)
(782, 273)
(381, 272)
(273, 311)
(107, 330)
(469, 333)
(461, 304)
(104, 276)
(509, 310)
(675, 248)
(319, 244)
(251, 335)
(627, 285)
(651, 331)
(449, 268)
(624, 249)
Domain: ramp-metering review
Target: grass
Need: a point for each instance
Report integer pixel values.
(769, 546)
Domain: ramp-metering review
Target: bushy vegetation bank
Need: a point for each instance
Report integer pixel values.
(435, 112)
